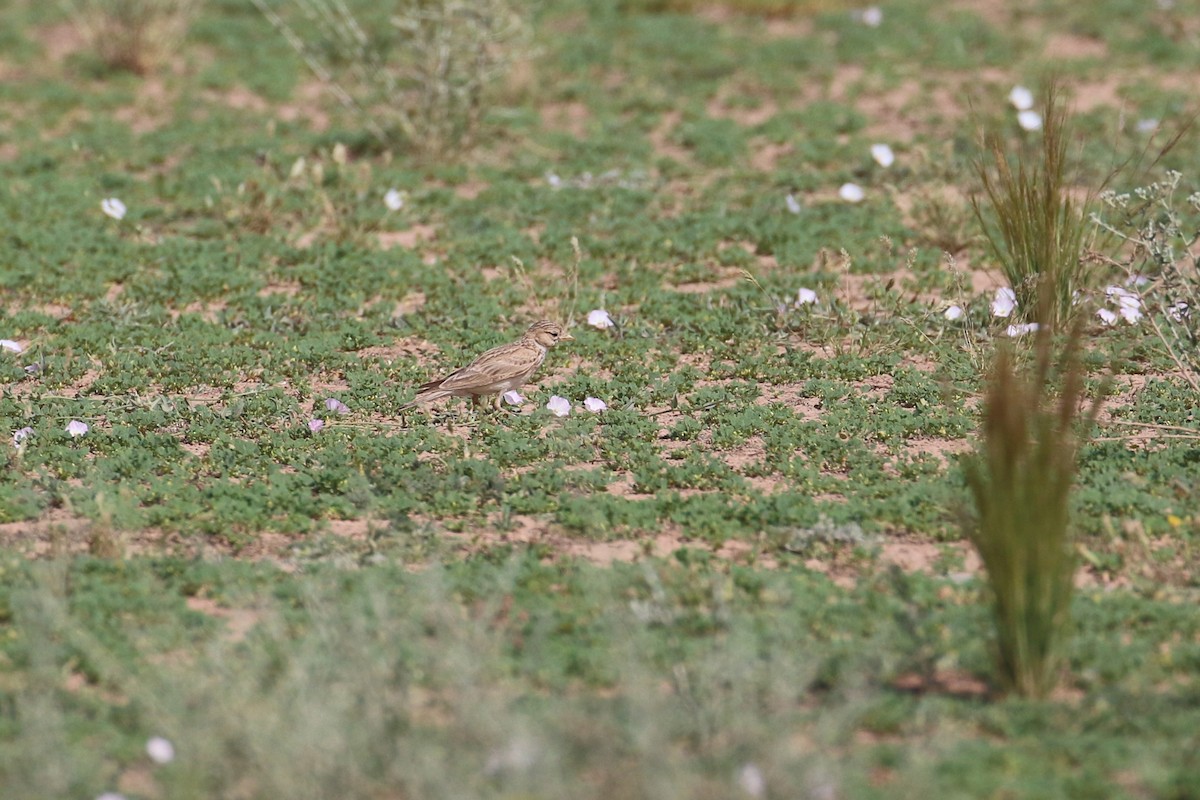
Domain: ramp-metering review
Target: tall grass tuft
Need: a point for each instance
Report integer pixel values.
(1037, 229)
(418, 79)
(134, 35)
(1020, 479)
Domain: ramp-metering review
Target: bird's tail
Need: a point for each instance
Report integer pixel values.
(427, 391)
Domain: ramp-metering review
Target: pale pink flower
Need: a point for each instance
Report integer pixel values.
(337, 406)
(1107, 316)
(513, 398)
(599, 318)
(1004, 302)
(76, 428)
(953, 313)
(160, 750)
(793, 205)
(883, 155)
(315, 425)
(806, 297)
(559, 406)
(1029, 120)
(11, 346)
(19, 436)
(1021, 98)
(851, 193)
(113, 207)
(595, 405)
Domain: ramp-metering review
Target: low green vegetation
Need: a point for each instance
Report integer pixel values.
(747, 576)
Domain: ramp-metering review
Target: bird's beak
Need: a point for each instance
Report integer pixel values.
(566, 337)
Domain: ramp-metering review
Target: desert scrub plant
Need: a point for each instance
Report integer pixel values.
(1037, 229)
(1160, 261)
(1020, 480)
(419, 79)
(134, 35)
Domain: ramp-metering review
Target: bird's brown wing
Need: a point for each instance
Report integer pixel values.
(500, 364)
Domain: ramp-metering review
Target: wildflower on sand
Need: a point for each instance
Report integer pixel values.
(872, 16)
(1004, 302)
(553, 180)
(595, 405)
(1021, 98)
(315, 425)
(21, 435)
(1129, 305)
(1178, 311)
(76, 428)
(851, 193)
(513, 398)
(751, 781)
(1148, 125)
(560, 406)
(1013, 331)
(113, 207)
(599, 318)
(806, 297)
(1029, 121)
(883, 155)
(394, 199)
(793, 205)
(160, 750)
(336, 406)
(10, 345)
(110, 796)
(1107, 316)
(953, 312)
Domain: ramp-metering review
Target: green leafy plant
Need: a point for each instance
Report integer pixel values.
(135, 35)
(1020, 479)
(1038, 228)
(420, 82)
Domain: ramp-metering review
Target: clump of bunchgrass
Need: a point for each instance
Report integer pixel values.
(1037, 227)
(1020, 480)
(421, 78)
(134, 35)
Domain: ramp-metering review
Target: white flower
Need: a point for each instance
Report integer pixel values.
(851, 192)
(1004, 302)
(793, 205)
(315, 425)
(1130, 310)
(110, 796)
(553, 180)
(805, 297)
(751, 781)
(1013, 331)
(160, 750)
(595, 405)
(76, 428)
(883, 155)
(394, 199)
(1178, 311)
(113, 207)
(1148, 125)
(599, 318)
(953, 312)
(1107, 316)
(10, 345)
(21, 435)
(337, 406)
(1029, 120)
(513, 398)
(1137, 281)
(872, 16)
(561, 406)
(1021, 98)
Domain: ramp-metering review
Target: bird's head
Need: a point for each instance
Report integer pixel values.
(547, 333)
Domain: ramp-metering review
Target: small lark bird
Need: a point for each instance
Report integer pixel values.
(500, 369)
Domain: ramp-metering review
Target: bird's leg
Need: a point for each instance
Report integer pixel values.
(496, 401)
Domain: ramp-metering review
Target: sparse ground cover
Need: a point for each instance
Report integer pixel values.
(745, 576)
